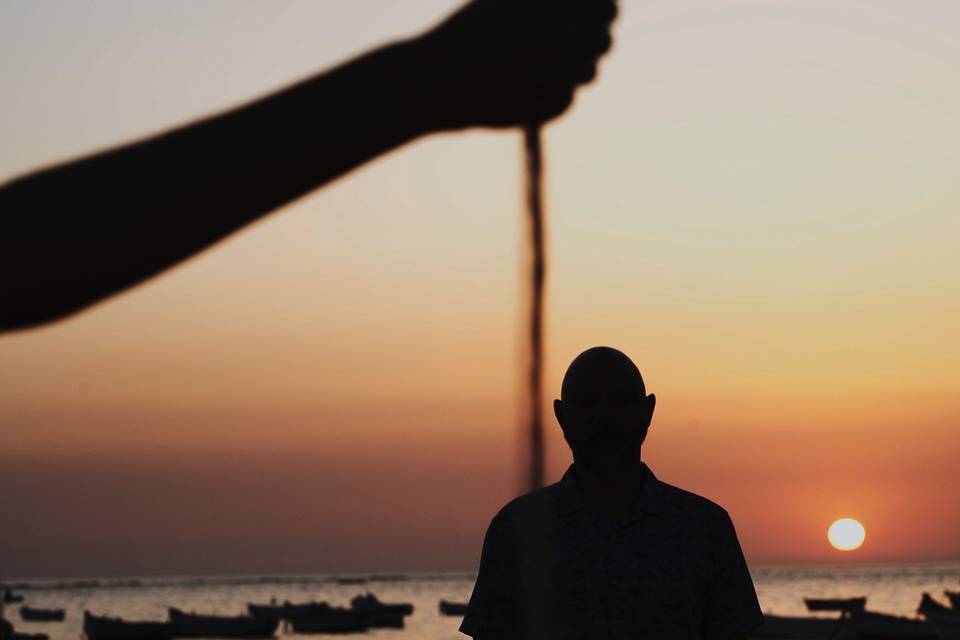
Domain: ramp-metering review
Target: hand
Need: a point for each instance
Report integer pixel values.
(505, 63)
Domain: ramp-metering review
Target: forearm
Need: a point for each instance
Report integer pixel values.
(79, 232)
(75, 233)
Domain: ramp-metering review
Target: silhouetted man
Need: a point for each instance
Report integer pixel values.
(74, 234)
(610, 551)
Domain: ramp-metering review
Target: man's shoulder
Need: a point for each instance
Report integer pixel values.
(682, 498)
(689, 503)
(553, 500)
(534, 508)
(546, 498)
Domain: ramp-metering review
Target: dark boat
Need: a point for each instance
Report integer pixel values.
(265, 611)
(448, 608)
(844, 605)
(381, 619)
(9, 597)
(30, 636)
(330, 620)
(797, 627)
(370, 602)
(381, 614)
(869, 625)
(945, 619)
(191, 625)
(312, 617)
(929, 605)
(287, 610)
(30, 614)
(954, 598)
(948, 624)
(105, 628)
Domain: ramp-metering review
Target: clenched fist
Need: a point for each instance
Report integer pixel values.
(503, 63)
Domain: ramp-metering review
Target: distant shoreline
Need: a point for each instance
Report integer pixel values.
(761, 571)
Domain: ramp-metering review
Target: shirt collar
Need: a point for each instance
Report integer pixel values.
(650, 502)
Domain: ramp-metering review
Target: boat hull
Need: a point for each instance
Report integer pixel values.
(797, 628)
(104, 628)
(287, 611)
(332, 621)
(189, 625)
(28, 614)
(448, 608)
(868, 625)
(836, 604)
(947, 623)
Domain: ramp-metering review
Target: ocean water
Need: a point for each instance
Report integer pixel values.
(889, 588)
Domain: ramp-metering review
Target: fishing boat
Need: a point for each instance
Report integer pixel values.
(9, 597)
(448, 608)
(330, 620)
(381, 614)
(287, 610)
(948, 624)
(954, 598)
(191, 625)
(929, 604)
(313, 617)
(370, 602)
(30, 636)
(106, 628)
(869, 625)
(382, 619)
(265, 611)
(797, 627)
(31, 614)
(844, 605)
(945, 619)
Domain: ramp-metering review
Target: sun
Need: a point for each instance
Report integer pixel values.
(846, 534)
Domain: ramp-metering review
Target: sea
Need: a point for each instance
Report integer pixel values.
(894, 589)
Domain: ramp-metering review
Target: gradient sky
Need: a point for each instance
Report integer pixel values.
(757, 201)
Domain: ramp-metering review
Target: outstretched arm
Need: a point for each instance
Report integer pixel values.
(73, 234)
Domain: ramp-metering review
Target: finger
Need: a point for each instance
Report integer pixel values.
(586, 11)
(599, 43)
(571, 36)
(599, 11)
(582, 73)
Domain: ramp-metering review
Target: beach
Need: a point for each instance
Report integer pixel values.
(894, 589)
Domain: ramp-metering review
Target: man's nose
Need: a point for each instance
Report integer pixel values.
(604, 419)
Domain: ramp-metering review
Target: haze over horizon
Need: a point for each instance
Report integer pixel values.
(756, 203)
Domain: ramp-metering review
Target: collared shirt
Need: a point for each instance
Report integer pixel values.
(672, 568)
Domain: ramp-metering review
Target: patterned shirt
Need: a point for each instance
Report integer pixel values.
(672, 568)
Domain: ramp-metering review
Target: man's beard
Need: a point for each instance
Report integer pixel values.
(606, 457)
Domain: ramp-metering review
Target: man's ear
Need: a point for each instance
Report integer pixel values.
(558, 411)
(651, 405)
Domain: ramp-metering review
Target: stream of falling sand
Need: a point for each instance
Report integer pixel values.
(534, 157)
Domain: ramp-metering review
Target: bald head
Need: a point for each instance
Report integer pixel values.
(604, 412)
(601, 365)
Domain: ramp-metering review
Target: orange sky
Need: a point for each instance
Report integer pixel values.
(756, 203)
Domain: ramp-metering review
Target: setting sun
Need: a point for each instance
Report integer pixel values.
(846, 534)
